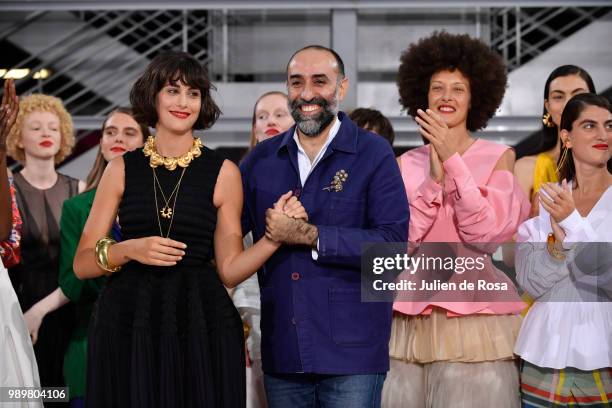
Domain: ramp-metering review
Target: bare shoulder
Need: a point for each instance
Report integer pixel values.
(229, 183)
(113, 178)
(523, 171)
(524, 165)
(506, 160)
(229, 172)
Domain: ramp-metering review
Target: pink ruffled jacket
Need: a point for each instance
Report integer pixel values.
(477, 205)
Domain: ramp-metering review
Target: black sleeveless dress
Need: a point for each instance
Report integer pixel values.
(36, 275)
(167, 336)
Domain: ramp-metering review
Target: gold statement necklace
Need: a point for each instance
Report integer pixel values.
(171, 163)
(156, 159)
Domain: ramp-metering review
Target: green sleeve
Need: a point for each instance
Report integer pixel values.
(72, 223)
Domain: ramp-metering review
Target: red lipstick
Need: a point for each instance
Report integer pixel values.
(180, 115)
(271, 132)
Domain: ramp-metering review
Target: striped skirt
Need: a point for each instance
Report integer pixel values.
(569, 387)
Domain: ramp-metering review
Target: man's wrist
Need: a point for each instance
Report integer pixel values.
(309, 234)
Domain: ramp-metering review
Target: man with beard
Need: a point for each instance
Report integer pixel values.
(322, 346)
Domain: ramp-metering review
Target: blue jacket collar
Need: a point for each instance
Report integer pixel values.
(345, 140)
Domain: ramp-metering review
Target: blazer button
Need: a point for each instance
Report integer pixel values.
(295, 276)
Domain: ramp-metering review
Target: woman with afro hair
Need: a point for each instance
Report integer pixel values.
(451, 349)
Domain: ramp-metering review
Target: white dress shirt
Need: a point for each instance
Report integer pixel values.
(306, 166)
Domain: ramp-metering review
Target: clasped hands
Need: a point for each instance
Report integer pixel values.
(287, 222)
(441, 145)
(559, 203)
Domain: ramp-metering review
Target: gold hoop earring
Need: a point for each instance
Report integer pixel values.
(547, 120)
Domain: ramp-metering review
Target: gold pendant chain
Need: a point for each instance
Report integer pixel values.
(166, 211)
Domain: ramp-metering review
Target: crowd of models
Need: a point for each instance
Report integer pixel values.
(172, 277)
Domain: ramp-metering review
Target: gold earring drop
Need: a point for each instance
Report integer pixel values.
(547, 120)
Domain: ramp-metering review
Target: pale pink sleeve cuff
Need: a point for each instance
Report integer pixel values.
(456, 174)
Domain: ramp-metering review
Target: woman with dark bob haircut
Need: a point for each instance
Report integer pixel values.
(164, 332)
(456, 348)
(563, 261)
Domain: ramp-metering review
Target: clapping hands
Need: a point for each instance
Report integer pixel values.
(8, 111)
(559, 203)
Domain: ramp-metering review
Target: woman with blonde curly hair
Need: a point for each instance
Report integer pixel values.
(42, 138)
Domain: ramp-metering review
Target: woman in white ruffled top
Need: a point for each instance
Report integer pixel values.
(564, 260)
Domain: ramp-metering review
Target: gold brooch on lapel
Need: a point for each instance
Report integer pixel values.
(338, 181)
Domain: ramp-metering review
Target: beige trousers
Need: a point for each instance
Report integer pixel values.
(452, 385)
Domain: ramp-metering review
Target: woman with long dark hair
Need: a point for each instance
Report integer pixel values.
(563, 261)
(539, 166)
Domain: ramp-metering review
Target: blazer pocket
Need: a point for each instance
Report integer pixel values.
(354, 323)
(346, 212)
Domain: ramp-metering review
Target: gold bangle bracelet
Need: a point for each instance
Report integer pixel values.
(553, 249)
(102, 247)
(246, 329)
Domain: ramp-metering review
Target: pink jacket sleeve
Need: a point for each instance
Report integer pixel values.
(424, 206)
(489, 213)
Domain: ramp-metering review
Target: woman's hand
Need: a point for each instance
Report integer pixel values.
(535, 205)
(557, 230)
(559, 203)
(33, 318)
(436, 170)
(8, 110)
(436, 131)
(291, 206)
(156, 251)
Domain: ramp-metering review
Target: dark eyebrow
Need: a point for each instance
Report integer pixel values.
(608, 122)
(579, 89)
(110, 127)
(582, 122)
(320, 76)
(296, 76)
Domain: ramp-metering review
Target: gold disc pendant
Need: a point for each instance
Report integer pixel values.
(166, 212)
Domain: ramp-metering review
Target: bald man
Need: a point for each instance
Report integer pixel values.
(322, 346)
